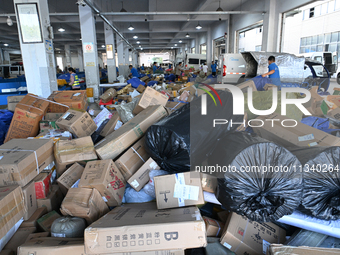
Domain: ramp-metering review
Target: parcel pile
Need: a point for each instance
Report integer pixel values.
(114, 177)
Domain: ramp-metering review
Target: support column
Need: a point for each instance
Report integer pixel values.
(80, 60)
(209, 46)
(1, 57)
(120, 53)
(126, 59)
(111, 63)
(270, 27)
(227, 40)
(7, 58)
(197, 45)
(89, 40)
(68, 55)
(38, 58)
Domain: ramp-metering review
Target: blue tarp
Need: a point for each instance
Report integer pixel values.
(170, 77)
(5, 120)
(318, 123)
(135, 82)
(151, 83)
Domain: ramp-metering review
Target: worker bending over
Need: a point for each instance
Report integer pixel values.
(133, 71)
(274, 72)
(74, 80)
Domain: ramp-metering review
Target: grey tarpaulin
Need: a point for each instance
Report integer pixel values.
(260, 194)
(321, 181)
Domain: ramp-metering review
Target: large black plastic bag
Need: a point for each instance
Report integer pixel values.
(321, 181)
(261, 196)
(174, 145)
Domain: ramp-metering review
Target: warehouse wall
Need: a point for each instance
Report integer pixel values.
(219, 28)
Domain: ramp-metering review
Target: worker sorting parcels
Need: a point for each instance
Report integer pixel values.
(74, 80)
(274, 72)
(133, 71)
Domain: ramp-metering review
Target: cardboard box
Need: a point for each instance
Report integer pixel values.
(250, 237)
(30, 200)
(314, 105)
(139, 179)
(84, 203)
(37, 235)
(209, 183)
(19, 238)
(6, 252)
(177, 190)
(69, 177)
(136, 227)
(111, 125)
(223, 216)
(213, 227)
(78, 123)
(140, 88)
(150, 97)
(53, 116)
(32, 222)
(28, 112)
(12, 102)
(120, 140)
(20, 159)
(46, 221)
(247, 84)
(53, 200)
(104, 176)
(132, 159)
(279, 249)
(301, 135)
(68, 99)
(126, 98)
(42, 184)
(108, 95)
(12, 207)
(269, 86)
(173, 106)
(66, 153)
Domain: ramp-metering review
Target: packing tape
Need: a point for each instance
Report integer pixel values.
(35, 154)
(174, 107)
(244, 233)
(138, 154)
(219, 228)
(41, 98)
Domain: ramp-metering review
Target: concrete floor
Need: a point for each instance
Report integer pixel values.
(333, 85)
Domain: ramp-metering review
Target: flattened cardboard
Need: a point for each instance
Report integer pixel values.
(32, 222)
(69, 177)
(279, 249)
(143, 227)
(28, 112)
(77, 150)
(111, 125)
(214, 227)
(120, 140)
(173, 106)
(73, 99)
(139, 179)
(37, 235)
(30, 200)
(209, 183)
(177, 190)
(289, 136)
(12, 207)
(104, 176)
(53, 116)
(46, 221)
(84, 203)
(53, 200)
(19, 238)
(250, 237)
(78, 123)
(141, 88)
(132, 159)
(150, 97)
(42, 184)
(20, 158)
(12, 102)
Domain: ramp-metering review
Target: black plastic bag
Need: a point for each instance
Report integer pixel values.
(186, 136)
(321, 181)
(261, 183)
(96, 137)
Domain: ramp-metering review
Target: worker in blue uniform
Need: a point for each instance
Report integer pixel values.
(213, 68)
(274, 72)
(142, 67)
(155, 68)
(74, 80)
(133, 71)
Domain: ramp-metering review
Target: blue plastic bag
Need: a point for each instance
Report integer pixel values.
(260, 82)
(151, 83)
(5, 120)
(135, 82)
(319, 123)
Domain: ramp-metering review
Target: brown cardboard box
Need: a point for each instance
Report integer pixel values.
(52, 116)
(53, 200)
(46, 221)
(108, 95)
(213, 227)
(111, 125)
(245, 85)
(42, 184)
(78, 123)
(126, 98)
(223, 216)
(69, 177)
(132, 159)
(68, 99)
(77, 150)
(139, 179)
(18, 164)
(32, 222)
(250, 237)
(84, 203)
(12, 207)
(30, 200)
(37, 235)
(12, 102)
(177, 190)
(301, 135)
(150, 97)
(335, 114)
(104, 176)
(19, 238)
(120, 140)
(28, 112)
(279, 249)
(314, 105)
(209, 183)
(173, 106)
(144, 227)
(140, 88)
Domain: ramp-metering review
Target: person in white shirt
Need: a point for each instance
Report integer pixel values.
(205, 68)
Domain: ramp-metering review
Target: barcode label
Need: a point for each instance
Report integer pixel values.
(118, 125)
(135, 183)
(306, 138)
(312, 144)
(76, 94)
(58, 235)
(227, 245)
(66, 115)
(265, 246)
(153, 165)
(186, 192)
(1, 157)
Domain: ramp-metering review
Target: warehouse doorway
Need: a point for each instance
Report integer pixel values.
(219, 46)
(249, 38)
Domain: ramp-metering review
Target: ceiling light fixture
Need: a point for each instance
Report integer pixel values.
(141, 48)
(187, 35)
(103, 46)
(135, 37)
(80, 39)
(5, 44)
(180, 41)
(172, 47)
(198, 27)
(175, 44)
(138, 42)
(123, 10)
(61, 29)
(219, 9)
(131, 27)
(9, 21)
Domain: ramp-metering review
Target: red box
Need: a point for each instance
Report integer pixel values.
(42, 184)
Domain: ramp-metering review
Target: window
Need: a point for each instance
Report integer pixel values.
(308, 41)
(315, 40)
(313, 48)
(320, 39)
(203, 49)
(318, 58)
(324, 8)
(242, 35)
(317, 11)
(306, 14)
(194, 61)
(319, 48)
(327, 38)
(332, 47)
(240, 50)
(334, 37)
(258, 48)
(202, 61)
(337, 4)
(303, 41)
(60, 62)
(331, 6)
(193, 50)
(311, 12)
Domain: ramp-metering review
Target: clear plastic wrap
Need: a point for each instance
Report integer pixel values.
(125, 110)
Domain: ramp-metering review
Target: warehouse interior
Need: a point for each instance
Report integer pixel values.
(154, 127)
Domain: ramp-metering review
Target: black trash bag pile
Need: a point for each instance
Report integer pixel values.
(186, 135)
(260, 194)
(321, 181)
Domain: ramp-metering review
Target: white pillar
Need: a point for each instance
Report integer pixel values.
(89, 40)
(126, 59)
(197, 45)
(120, 53)
(80, 59)
(38, 58)
(7, 58)
(209, 46)
(270, 27)
(68, 55)
(111, 63)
